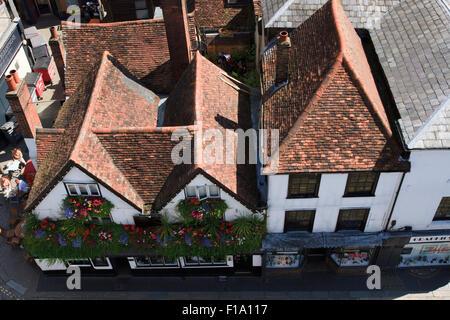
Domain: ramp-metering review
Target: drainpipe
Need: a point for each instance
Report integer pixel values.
(395, 201)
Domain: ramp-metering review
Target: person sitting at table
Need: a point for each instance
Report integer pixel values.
(16, 166)
(22, 188)
(7, 187)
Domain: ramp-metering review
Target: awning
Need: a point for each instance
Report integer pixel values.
(297, 240)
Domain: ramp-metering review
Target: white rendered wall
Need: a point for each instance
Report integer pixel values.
(235, 208)
(51, 206)
(422, 191)
(330, 200)
(22, 62)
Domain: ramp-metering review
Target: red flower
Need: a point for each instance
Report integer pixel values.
(53, 226)
(44, 221)
(153, 236)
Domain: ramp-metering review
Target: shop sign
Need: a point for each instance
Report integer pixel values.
(9, 50)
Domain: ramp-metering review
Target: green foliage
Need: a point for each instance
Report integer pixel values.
(194, 211)
(74, 238)
(245, 226)
(251, 78)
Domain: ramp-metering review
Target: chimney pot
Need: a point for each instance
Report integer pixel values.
(282, 62)
(12, 85)
(53, 32)
(15, 75)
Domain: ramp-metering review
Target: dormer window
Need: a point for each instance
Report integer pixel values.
(82, 189)
(202, 192)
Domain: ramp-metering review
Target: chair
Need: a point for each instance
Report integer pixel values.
(14, 241)
(8, 234)
(13, 221)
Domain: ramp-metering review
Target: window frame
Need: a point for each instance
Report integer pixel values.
(290, 195)
(363, 224)
(373, 188)
(442, 205)
(311, 220)
(197, 193)
(76, 184)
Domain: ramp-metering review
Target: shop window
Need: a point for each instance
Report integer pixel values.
(300, 220)
(352, 219)
(202, 192)
(443, 211)
(79, 262)
(427, 254)
(303, 185)
(155, 261)
(351, 257)
(205, 261)
(361, 184)
(82, 189)
(283, 260)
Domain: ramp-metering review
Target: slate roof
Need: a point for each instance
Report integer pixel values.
(292, 13)
(141, 46)
(330, 115)
(412, 40)
(108, 98)
(413, 45)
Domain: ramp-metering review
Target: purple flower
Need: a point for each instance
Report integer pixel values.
(61, 241)
(123, 238)
(40, 234)
(207, 243)
(68, 213)
(76, 243)
(188, 240)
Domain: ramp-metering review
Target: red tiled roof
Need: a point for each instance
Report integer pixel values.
(215, 101)
(216, 14)
(141, 46)
(329, 114)
(45, 140)
(108, 98)
(114, 138)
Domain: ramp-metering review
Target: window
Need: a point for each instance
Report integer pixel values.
(351, 257)
(155, 261)
(361, 184)
(304, 185)
(79, 262)
(300, 220)
(202, 261)
(141, 9)
(82, 189)
(102, 220)
(283, 260)
(238, 3)
(443, 211)
(202, 192)
(352, 219)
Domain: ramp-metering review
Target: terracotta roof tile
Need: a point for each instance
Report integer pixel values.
(94, 106)
(329, 114)
(141, 46)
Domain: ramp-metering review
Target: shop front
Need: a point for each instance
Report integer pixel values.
(426, 249)
(343, 252)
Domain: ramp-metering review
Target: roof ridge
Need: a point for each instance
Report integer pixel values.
(312, 102)
(339, 21)
(137, 130)
(94, 92)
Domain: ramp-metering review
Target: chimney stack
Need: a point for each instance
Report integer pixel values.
(282, 62)
(58, 53)
(25, 113)
(177, 32)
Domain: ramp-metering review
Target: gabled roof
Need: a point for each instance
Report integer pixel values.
(330, 115)
(292, 13)
(206, 96)
(141, 46)
(110, 134)
(413, 46)
(108, 98)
